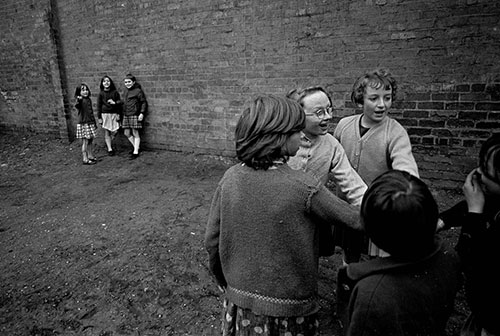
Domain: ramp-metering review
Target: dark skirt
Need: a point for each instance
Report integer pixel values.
(237, 321)
(131, 122)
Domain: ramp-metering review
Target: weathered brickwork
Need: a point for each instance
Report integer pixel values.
(30, 81)
(200, 61)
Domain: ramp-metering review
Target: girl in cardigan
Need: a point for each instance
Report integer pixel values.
(262, 231)
(86, 127)
(373, 141)
(108, 111)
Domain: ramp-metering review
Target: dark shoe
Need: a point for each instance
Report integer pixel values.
(89, 162)
(111, 153)
(134, 156)
(93, 160)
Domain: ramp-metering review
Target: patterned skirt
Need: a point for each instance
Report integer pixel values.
(131, 122)
(86, 131)
(239, 321)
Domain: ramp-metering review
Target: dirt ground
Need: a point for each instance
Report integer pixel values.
(117, 248)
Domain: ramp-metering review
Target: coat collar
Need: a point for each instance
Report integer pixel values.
(359, 270)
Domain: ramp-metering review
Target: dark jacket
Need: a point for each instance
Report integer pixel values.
(479, 250)
(85, 111)
(134, 101)
(388, 296)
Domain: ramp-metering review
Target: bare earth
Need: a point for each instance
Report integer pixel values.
(117, 248)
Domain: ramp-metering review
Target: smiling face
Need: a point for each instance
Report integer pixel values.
(376, 104)
(106, 83)
(316, 126)
(84, 91)
(128, 83)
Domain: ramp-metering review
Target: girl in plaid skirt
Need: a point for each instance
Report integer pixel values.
(86, 127)
(134, 109)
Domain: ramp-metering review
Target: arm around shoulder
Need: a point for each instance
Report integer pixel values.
(333, 210)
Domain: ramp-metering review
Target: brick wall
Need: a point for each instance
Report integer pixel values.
(31, 92)
(200, 61)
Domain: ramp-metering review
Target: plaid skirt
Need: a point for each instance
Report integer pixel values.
(237, 321)
(131, 122)
(86, 131)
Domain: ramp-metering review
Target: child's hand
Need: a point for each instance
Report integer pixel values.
(111, 101)
(141, 116)
(473, 192)
(100, 121)
(78, 97)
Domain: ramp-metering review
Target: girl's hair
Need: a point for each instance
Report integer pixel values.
(490, 152)
(374, 79)
(299, 94)
(400, 214)
(112, 86)
(263, 129)
(78, 90)
(131, 77)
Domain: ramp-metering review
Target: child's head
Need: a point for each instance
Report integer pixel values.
(400, 214)
(107, 84)
(129, 81)
(489, 165)
(268, 131)
(374, 91)
(82, 90)
(317, 106)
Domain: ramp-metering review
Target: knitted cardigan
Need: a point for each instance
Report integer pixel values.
(385, 146)
(324, 157)
(262, 237)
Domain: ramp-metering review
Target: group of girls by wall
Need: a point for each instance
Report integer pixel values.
(270, 211)
(113, 113)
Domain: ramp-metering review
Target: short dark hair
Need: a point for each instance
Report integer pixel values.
(490, 152)
(263, 129)
(78, 89)
(131, 77)
(376, 79)
(298, 94)
(400, 214)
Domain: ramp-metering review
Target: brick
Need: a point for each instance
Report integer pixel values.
(488, 106)
(430, 105)
(459, 106)
(416, 114)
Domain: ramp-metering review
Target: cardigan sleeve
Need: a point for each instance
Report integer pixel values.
(142, 102)
(327, 207)
(345, 177)
(400, 154)
(212, 234)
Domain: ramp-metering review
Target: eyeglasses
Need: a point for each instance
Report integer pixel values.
(322, 112)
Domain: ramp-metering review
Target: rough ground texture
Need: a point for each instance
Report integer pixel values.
(117, 248)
